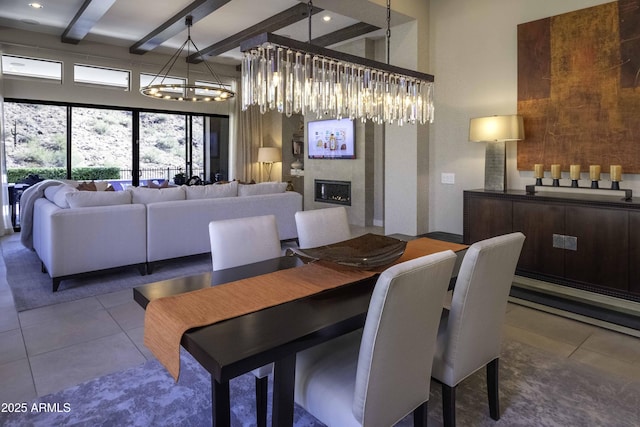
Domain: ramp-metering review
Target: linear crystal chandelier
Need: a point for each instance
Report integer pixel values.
(296, 77)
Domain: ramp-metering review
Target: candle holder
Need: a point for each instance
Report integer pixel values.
(556, 174)
(594, 174)
(574, 173)
(616, 176)
(538, 171)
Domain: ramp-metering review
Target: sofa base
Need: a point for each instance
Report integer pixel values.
(55, 281)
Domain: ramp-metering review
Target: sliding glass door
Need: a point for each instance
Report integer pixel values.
(94, 142)
(101, 143)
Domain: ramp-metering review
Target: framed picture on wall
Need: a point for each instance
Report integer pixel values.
(297, 147)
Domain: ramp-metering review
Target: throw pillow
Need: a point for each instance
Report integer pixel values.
(87, 186)
(152, 184)
(85, 199)
(153, 195)
(60, 197)
(101, 185)
(212, 191)
(261, 188)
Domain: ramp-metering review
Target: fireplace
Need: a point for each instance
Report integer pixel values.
(337, 192)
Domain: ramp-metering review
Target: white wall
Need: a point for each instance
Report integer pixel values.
(473, 53)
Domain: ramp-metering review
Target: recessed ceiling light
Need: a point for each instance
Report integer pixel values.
(36, 5)
(326, 18)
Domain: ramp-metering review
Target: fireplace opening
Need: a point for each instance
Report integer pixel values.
(337, 192)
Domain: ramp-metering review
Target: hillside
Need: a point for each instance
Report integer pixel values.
(99, 137)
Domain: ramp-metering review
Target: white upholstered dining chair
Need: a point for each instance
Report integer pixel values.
(319, 227)
(378, 375)
(470, 332)
(241, 241)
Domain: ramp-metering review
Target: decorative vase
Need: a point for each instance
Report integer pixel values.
(296, 164)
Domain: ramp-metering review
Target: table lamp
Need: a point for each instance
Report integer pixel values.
(268, 156)
(495, 130)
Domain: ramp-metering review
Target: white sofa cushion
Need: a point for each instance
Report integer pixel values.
(153, 195)
(86, 199)
(58, 194)
(261, 188)
(212, 191)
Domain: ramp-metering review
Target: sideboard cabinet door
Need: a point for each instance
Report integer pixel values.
(486, 217)
(634, 252)
(602, 237)
(539, 222)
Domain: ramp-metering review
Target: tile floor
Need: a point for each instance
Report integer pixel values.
(51, 348)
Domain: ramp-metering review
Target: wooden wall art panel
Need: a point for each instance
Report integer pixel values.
(579, 88)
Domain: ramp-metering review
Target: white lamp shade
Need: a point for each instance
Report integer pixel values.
(496, 128)
(269, 155)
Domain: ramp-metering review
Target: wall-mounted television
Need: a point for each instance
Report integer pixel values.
(331, 139)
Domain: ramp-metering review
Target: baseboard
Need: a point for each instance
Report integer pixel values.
(600, 310)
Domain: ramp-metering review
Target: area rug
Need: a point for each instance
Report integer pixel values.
(537, 389)
(32, 289)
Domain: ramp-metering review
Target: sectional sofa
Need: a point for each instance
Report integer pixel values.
(75, 232)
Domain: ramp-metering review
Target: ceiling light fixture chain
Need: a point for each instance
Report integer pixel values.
(161, 88)
(309, 13)
(388, 31)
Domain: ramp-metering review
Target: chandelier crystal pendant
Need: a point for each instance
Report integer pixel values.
(187, 91)
(294, 77)
(290, 76)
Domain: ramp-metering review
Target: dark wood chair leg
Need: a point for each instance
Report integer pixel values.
(448, 405)
(43, 268)
(420, 415)
(55, 282)
(492, 389)
(262, 387)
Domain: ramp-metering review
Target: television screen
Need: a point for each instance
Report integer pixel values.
(331, 139)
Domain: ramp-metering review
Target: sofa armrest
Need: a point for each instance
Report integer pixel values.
(71, 241)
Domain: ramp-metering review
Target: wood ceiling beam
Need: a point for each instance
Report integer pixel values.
(346, 33)
(176, 24)
(269, 25)
(89, 13)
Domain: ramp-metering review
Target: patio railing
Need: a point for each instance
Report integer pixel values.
(157, 173)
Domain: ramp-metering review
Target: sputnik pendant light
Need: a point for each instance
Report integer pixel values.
(296, 77)
(186, 91)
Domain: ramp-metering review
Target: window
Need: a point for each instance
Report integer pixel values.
(213, 87)
(162, 145)
(99, 76)
(101, 143)
(146, 79)
(35, 140)
(32, 67)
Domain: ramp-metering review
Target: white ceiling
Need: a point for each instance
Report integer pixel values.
(128, 21)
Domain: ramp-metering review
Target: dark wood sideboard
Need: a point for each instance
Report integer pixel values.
(590, 242)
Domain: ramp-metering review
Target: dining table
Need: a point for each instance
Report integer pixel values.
(273, 334)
